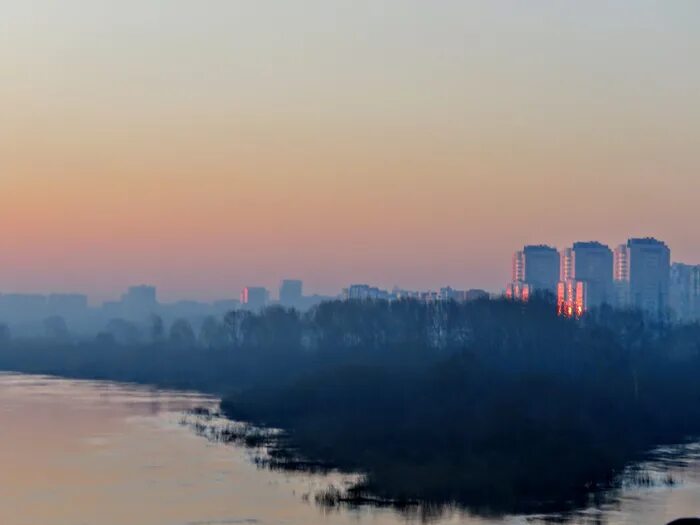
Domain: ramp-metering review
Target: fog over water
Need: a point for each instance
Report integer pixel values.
(77, 452)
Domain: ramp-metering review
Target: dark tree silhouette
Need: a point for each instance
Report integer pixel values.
(489, 403)
(5, 334)
(182, 334)
(213, 334)
(156, 328)
(124, 332)
(55, 327)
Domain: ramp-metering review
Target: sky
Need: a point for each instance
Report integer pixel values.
(203, 146)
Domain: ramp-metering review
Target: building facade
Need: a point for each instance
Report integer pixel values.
(291, 292)
(642, 271)
(621, 277)
(535, 269)
(566, 271)
(254, 297)
(542, 267)
(518, 272)
(139, 302)
(572, 300)
(586, 278)
(685, 292)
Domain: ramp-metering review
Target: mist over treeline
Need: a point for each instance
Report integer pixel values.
(85, 323)
(490, 403)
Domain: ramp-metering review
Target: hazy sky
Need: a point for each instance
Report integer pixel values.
(204, 145)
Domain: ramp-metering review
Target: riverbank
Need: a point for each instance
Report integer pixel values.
(493, 405)
(493, 455)
(114, 454)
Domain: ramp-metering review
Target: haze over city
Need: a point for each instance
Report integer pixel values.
(396, 143)
(349, 262)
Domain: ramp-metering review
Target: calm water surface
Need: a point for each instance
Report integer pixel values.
(95, 453)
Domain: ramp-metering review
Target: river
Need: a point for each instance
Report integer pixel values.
(99, 453)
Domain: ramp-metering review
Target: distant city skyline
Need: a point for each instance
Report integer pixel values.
(560, 269)
(639, 273)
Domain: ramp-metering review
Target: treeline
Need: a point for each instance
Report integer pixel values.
(488, 403)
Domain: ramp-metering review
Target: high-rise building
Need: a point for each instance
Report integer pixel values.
(291, 292)
(586, 278)
(518, 267)
(542, 265)
(642, 272)
(535, 269)
(518, 290)
(684, 295)
(621, 269)
(621, 276)
(141, 295)
(139, 301)
(593, 264)
(572, 297)
(566, 270)
(254, 297)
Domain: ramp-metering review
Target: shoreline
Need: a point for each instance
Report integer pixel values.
(285, 458)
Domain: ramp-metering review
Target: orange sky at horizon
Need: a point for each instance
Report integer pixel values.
(204, 150)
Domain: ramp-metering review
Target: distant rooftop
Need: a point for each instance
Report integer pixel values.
(590, 244)
(650, 241)
(539, 247)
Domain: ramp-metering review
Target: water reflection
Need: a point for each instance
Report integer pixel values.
(98, 453)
